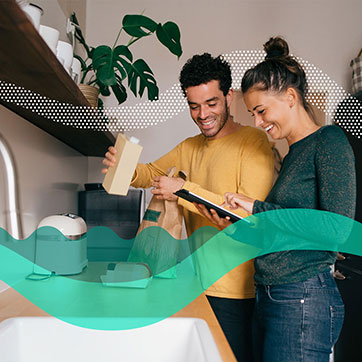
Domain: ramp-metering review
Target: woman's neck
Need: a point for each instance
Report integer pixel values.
(303, 126)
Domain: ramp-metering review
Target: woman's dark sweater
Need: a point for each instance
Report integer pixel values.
(317, 173)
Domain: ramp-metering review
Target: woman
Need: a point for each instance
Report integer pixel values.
(299, 311)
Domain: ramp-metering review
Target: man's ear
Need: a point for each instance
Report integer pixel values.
(229, 97)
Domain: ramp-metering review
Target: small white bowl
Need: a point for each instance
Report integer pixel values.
(34, 13)
(60, 60)
(50, 36)
(65, 51)
(76, 70)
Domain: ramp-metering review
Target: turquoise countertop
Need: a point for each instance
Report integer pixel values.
(84, 296)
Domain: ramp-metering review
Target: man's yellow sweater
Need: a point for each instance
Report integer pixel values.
(240, 162)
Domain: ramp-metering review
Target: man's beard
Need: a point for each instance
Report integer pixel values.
(224, 117)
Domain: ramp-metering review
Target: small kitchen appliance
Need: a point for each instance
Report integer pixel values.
(61, 245)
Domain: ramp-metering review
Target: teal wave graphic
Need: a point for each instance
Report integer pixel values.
(131, 297)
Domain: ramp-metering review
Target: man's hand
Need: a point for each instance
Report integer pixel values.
(213, 217)
(109, 159)
(164, 187)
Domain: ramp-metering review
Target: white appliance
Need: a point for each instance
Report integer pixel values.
(61, 245)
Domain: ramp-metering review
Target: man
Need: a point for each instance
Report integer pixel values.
(225, 157)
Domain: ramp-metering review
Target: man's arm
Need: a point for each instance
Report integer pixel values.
(145, 174)
(154, 173)
(256, 176)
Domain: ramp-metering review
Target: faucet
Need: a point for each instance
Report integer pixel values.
(12, 210)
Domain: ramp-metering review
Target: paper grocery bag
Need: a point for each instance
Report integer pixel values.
(158, 238)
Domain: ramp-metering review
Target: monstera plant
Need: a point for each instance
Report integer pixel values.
(111, 68)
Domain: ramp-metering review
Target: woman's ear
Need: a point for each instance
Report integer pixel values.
(292, 97)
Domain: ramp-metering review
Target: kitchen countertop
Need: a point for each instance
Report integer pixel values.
(13, 304)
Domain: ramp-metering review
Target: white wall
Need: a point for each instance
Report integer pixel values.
(49, 172)
(327, 33)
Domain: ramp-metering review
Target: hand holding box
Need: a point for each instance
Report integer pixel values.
(118, 178)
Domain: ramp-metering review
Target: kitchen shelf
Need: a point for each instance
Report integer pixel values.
(27, 61)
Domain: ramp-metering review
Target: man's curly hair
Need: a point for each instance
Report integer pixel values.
(201, 69)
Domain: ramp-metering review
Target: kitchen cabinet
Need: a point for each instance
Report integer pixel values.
(26, 61)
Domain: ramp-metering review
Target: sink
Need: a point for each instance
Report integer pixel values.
(44, 339)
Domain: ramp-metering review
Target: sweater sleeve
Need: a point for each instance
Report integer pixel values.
(144, 173)
(336, 188)
(261, 206)
(336, 173)
(256, 175)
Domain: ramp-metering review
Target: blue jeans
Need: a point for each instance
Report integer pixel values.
(297, 322)
(235, 317)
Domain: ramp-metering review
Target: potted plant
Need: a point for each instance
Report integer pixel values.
(109, 69)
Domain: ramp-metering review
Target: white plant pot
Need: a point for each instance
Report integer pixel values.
(34, 13)
(50, 36)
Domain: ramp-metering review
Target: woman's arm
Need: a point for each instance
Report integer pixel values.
(336, 173)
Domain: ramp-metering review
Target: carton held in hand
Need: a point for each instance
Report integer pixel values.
(118, 178)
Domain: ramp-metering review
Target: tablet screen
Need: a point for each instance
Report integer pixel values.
(190, 196)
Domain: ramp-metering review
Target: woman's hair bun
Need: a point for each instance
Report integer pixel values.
(276, 48)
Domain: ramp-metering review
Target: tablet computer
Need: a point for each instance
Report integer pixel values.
(190, 196)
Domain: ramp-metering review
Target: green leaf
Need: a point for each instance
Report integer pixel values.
(126, 65)
(123, 50)
(140, 73)
(100, 104)
(103, 65)
(103, 89)
(107, 62)
(169, 35)
(119, 91)
(121, 63)
(134, 25)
